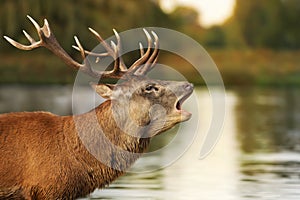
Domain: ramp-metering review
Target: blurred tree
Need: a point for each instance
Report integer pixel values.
(186, 20)
(183, 16)
(291, 23)
(272, 23)
(215, 37)
(233, 36)
(71, 17)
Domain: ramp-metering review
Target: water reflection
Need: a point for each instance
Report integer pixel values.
(268, 132)
(268, 119)
(257, 156)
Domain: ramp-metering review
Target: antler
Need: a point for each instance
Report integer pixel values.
(140, 67)
(47, 39)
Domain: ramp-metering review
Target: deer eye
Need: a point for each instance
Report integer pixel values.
(150, 88)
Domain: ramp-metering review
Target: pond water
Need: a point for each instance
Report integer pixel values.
(257, 156)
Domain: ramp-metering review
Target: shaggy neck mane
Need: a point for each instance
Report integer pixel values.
(98, 133)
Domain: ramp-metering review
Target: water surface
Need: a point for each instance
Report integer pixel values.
(257, 156)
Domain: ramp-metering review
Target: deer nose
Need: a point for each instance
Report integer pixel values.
(188, 86)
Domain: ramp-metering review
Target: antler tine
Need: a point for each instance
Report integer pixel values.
(117, 60)
(122, 65)
(36, 25)
(141, 49)
(82, 53)
(21, 46)
(154, 57)
(86, 66)
(144, 58)
(29, 38)
(152, 60)
(109, 50)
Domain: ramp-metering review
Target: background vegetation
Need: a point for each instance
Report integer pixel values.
(258, 45)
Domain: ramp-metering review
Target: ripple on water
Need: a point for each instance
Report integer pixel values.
(270, 176)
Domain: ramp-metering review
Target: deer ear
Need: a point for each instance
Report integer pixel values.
(104, 90)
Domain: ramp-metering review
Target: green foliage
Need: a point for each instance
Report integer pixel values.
(255, 24)
(215, 37)
(272, 24)
(185, 19)
(70, 17)
(184, 16)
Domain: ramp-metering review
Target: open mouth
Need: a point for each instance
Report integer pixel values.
(183, 91)
(182, 99)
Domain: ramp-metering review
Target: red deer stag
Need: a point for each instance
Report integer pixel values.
(45, 156)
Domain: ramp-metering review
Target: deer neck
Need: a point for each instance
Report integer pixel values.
(117, 127)
(98, 132)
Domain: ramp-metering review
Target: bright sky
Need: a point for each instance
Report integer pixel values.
(212, 11)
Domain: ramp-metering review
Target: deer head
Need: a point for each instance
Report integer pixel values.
(138, 102)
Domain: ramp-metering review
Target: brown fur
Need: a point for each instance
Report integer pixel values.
(41, 149)
(45, 156)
